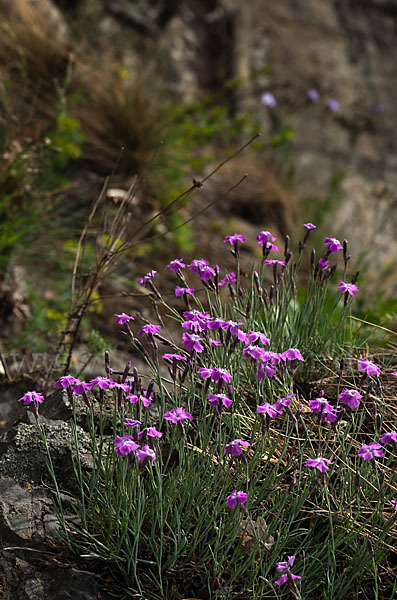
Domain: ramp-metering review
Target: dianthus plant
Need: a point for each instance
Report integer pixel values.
(212, 464)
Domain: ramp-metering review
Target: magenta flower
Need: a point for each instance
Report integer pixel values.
(368, 366)
(216, 399)
(145, 454)
(285, 568)
(370, 451)
(235, 448)
(274, 261)
(197, 264)
(314, 96)
(292, 354)
(284, 402)
(269, 100)
(173, 357)
(332, 244)
(180, 291)
(131, 422)
(123, 318)
(143, 397)
(319, 463)
(178, 415)
(176, 264)
(265, 238)
(32, 397)
(228, 279)
(146, 278)
(350, 397)
(349, 288)
(272, 410)
(124, 445)
(284, 578)
(233, 239)
(206, 272)
(323, 263)
(236, 498)
(101, 382)
(192, 342)
(66, 381)
(82, 387)
(285, 565)
(309, 226)
(150, 432)
(253, 336)
(387, 438)
(217, 374)
(150, 329)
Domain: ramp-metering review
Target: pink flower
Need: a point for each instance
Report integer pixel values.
(32, 397)
(387, 438)
(192, 342)
(123, 318)
(370, 451)
(124, 445)
(66, 381)
(145, 454)
(319, 463)
(274, 261)
(180, 291)
(150, 329)
(178, 415)
(309, 226)
(216, 399)
(235, 448)
(236, 498)
(350, 397)
(233, 239)
(176, 264)
(323, 263)
(349, 288)
(146, 278)
(368, 366)
(332, 244)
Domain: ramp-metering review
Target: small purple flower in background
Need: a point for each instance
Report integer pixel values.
(350, 397)
(145, 454)
(292, 354)
(123, 318)
(236, 498)
(214, 342)
(309, 226)
(253, 336)
(314, 95)
(176, 264)
(395, 373)
(197, 264)
(319, 463)
(228, 279)
(285, 567)
(131, 422)
(370, 451)
(217, 374)
(180, 291)
(66, 381)
(216, 399)
(333, 245)
(101, 382)
(233, 239)
(144, 398)
(149, 329)
(271, 410)
(32, 397)
(174, 357)
(323, 263)
(269, 100)
(146, 278)
(206, 272)
(177, 415)
(150, 432)
(368, 366)
(235, 448)
(274, 261)
(192, 342)
(349, 288)
(284, 402)
(265, 238)
(124, 445)
(81, 387)
(388, 438)
(333, 105)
